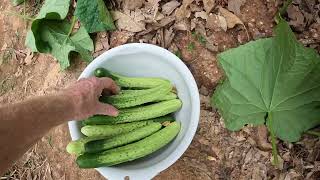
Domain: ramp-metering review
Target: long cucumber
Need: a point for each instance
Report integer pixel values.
(132, 151)
(138, 97)
(130, 82)
(77, 147)
(137, 113)
(111, 130)
(167, 97)
(115, 129)
(122, 139)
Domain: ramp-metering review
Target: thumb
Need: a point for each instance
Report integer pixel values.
(107, 109)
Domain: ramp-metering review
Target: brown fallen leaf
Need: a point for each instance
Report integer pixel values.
(208, 5)
(150, 17)
(118, 38)
(157, 25)
(184, 10)
(133, 4)
(195, 8)
(235, 6)
(168, 37)
(232, 20)
(261, 138)
(131, 20)
(215, 22)
(296, 18)
(201, 14)
(169, 7)
(152, 6)
(183, 25)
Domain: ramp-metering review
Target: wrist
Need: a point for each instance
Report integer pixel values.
(73, 103)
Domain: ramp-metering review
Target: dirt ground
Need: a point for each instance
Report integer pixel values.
(215, 152)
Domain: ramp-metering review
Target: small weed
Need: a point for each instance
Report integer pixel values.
(50, 141)
(202, 40)
(6, 56)
(191, 46)
(178, 54)
(6, 85)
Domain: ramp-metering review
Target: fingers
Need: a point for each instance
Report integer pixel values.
(109, 84)
(107, 109)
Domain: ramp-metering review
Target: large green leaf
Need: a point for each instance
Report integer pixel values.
(51, 9)
(49, 34)
(55, 34)
(274, 81)
(94, 15)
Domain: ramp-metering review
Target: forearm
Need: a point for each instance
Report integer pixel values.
(24, 123)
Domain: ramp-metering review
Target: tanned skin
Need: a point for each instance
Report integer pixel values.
(22, 124)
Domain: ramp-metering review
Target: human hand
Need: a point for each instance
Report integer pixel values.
(85, 93)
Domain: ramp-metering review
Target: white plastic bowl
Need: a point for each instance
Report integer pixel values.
(145, 60)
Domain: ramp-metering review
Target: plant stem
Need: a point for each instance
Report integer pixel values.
(73, 22)
(273, 142)
(315, 133)
(282, 10)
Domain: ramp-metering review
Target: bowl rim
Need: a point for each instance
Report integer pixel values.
(182, 69)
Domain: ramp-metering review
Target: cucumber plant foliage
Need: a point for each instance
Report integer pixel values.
(94, 15)
(51, 33)
(273, 81)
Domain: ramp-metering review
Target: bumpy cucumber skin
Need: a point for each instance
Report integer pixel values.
(167, 97)
(111, 130)
(132, 151)
(122, 139)
(130, 82)
(143, 96)
(137, 113)
(77, 147)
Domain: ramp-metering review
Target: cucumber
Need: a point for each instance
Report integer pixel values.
(111, 130)
(167, 97)
(130, 82)
(77, 147)
(122, 139)
(132, 151)
(137, 113)
(137, 97)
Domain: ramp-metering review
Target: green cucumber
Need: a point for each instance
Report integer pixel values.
(130, 82)
(167, 97)
(116, 129)
(77, 147)
(137, 97)
(137, 113)
(111, 130)
(122, 139)
(132, 151)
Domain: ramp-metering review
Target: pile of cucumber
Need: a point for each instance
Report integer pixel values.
(143, 126)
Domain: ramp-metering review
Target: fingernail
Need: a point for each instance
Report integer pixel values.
(115, 113)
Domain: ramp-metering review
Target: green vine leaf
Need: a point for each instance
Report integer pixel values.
(94, 15)
(274, 77)
(51, 33)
